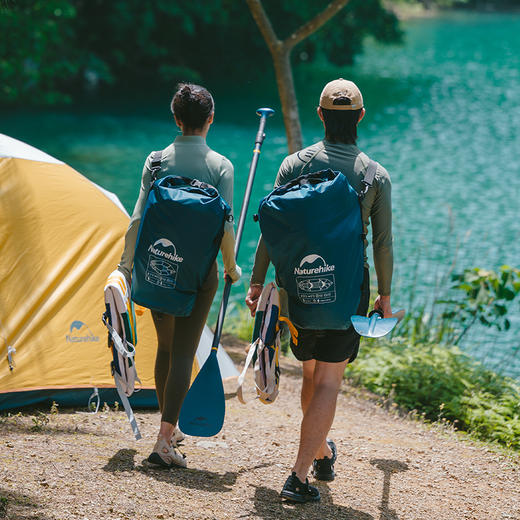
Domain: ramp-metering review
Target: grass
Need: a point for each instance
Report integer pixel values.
(239, 322)
(441, 382)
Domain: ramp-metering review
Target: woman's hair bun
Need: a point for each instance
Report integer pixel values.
(185, 92)
(192, 104)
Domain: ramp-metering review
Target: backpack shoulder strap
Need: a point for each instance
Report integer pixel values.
(314, 153)
(368, 178)
(155, 166)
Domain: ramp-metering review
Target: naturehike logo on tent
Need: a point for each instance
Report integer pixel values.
(80, 333)
(317, 285)
(163, 264)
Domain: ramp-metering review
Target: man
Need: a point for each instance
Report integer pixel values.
(325, 353)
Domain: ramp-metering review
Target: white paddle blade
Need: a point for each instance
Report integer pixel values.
(370, 328)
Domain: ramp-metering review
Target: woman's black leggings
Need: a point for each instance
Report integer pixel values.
(178, 339)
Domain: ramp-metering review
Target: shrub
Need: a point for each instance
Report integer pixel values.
(441, 381)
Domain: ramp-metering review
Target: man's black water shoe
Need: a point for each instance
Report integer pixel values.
(297, 491)
(323, 469)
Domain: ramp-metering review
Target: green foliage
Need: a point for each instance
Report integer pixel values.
(440, 381)
(419, 370)
(360, 19)
(3, 507)
(40, 421)
(476, 296)
(36, 50)
(239, 322)
(485, 298)
(54, 49)
(422, 369)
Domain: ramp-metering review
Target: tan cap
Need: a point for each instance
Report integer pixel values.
(341, 88)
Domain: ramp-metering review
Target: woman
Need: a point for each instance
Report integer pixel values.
(178, 337)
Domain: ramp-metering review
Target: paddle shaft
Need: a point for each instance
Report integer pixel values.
(260, 136)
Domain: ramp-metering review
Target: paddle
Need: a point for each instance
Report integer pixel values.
(203, 409)
(375, 325)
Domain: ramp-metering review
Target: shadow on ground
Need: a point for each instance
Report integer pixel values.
(388, 467)
(19, 506)
(269, 506)
(200, 479)
(123, 460)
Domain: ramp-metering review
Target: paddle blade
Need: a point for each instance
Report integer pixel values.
(365, 327)
(203, 410)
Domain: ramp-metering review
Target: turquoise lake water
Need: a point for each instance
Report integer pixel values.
(443, 116)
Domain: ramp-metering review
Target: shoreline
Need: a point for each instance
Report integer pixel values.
(406, 12)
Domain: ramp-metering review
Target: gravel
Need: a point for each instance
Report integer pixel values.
(74, 465)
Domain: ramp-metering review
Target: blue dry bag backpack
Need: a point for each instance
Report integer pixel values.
(313, 232)
(178, 240)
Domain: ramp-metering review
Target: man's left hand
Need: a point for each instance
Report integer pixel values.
(383, 304)
(252, 296)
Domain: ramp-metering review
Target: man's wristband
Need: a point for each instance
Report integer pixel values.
(256, 284)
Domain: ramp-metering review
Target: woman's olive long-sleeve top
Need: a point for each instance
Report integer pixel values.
(187, 156)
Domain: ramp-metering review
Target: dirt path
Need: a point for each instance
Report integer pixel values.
(87, 467)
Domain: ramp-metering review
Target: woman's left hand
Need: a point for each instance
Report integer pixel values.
(234, 274)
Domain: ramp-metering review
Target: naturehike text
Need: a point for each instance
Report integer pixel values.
(315, 270)
(164, 254)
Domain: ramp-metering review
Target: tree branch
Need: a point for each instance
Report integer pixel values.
(312, 25)
(264, 24)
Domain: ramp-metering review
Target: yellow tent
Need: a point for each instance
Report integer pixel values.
(60, 237)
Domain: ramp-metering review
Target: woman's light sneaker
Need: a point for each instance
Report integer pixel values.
(177, 438)
(164, 454)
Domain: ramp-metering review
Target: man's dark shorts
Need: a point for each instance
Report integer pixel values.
(332, 346)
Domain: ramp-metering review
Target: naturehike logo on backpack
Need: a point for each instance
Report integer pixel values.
(163, 264)
(318, 285)
(164, 242)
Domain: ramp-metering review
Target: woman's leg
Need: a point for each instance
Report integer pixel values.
(164, 326)
(186, 337)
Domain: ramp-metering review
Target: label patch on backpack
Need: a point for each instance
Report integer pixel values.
(316, 283)
(163, 264)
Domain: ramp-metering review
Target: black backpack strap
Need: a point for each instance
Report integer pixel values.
(368, 179)
(155, 166)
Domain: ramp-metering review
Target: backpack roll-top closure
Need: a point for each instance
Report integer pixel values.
(175, 186)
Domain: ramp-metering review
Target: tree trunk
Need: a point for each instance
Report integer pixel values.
(281, 54)
(287, 92)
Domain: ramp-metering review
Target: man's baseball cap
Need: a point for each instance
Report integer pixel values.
(341, 94)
